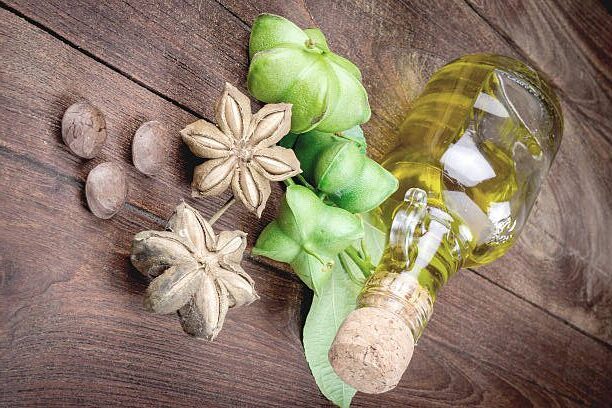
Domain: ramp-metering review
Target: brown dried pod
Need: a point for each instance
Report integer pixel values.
(196, 272)
(242, 150)
(84, 129)
(150, 148)
(106, 189)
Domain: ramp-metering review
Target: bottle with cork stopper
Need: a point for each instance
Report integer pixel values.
(473, 153)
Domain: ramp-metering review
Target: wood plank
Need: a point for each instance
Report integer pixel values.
(73, 329)
(122, 124)
(560, 262)
(571, 41)
(76, 333)
(185, 51)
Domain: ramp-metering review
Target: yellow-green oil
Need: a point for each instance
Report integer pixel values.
(478, 141)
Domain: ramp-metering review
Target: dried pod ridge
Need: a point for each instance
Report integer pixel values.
(106, 189)
(242, 150)
(84, 129)
(195, 271)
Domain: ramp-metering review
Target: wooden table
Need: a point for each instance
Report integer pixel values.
(534, 328)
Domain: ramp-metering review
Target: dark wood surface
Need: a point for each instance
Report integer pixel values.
(534, 328)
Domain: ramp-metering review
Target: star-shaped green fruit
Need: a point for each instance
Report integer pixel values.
(308, 234)
(337, 165)
(296, 66)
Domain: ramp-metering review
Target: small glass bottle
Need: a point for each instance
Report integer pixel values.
(473, 153)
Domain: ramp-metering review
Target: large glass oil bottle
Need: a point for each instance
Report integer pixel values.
(473, 153)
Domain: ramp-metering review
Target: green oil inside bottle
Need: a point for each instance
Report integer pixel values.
(475, 148)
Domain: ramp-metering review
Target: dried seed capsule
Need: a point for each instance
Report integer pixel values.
(84, 129)
(150, 148)
(106, 190)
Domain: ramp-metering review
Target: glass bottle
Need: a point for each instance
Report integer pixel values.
(473, 153)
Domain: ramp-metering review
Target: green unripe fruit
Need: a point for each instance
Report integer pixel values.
(296, 66)
(311, 145)
(337, 165)
(352, 180)
(308, 234)
(369, 187)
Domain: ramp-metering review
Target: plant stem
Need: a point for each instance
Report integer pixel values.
(364, 251)
(222, 210)
(289, 182)
(305, 182)
(364, 264)
(349, 271)
(310, 252)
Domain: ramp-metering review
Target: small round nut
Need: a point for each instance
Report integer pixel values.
(84, 129)
(150, 148)
(106, 190)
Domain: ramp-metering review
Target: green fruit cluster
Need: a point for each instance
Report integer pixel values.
(308, 234)
(317, 220)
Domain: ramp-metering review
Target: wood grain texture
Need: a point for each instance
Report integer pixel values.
(122, 123)
(73, 329)
(184, 51)
(566, 39)
(77, 335)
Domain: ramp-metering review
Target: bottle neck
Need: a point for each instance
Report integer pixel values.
(423, 253)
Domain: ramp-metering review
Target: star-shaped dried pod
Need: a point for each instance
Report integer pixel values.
(194, 271)
(241, 150)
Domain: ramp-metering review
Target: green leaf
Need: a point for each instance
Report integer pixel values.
(296, 66)
(337, 298)
(375, 234)
(329, 309)
(308, 234)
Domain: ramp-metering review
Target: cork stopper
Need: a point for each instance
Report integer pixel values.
(372, 350)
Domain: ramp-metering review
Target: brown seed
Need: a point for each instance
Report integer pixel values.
(106, 190)
(150, 148)
(84, 129)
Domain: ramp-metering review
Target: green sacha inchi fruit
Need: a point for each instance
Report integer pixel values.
(296, 66)
(337, 165)
(308, 234)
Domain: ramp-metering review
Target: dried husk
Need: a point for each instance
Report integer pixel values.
(241, 151)
(194, 271)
